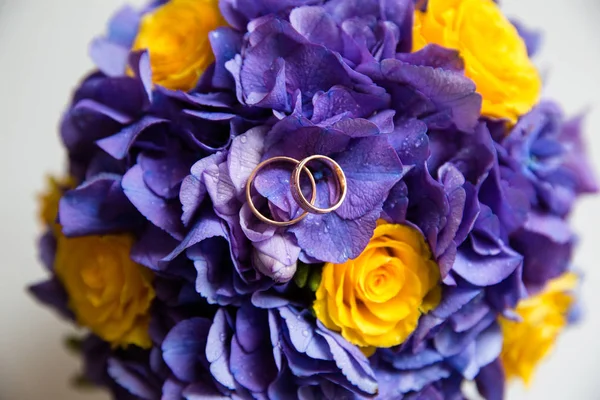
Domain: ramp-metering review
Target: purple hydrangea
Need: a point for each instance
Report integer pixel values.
(549, 151)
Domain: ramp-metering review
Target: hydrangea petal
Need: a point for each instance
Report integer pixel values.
(97, 206)
(165, 215)
(183, 346)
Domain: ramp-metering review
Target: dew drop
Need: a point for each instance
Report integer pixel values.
(243, 139)
(222, 337)
(305, 333)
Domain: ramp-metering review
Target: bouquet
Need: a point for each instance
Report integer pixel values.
(313, 199)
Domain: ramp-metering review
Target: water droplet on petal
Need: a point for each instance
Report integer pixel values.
(243, 139)
(305, 333)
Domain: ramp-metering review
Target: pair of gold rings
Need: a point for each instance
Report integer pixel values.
(307, 205)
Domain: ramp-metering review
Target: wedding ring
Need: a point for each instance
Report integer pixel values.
(340, 178)
(251, 182)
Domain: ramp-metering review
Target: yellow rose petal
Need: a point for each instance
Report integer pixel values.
(376, 299)
(544, 316)
(108, 292)
(176, 37)
(495, 55)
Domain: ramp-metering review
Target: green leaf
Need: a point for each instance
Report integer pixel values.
(314, 280)
(301, 275)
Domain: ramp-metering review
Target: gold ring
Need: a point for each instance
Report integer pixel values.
(251, 182)
(299, 196)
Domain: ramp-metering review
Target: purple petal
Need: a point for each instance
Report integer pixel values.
(551, 234)
(163, 173)
(238, 13)
(97, 206)
(434, 56)
(140, 64)
(109, 57)
(440, 96)
(208, 226)
(411, 141)
(268, 300)
(254, 229)
(416, 380)
(419, 360)
(532, 38)
(384, 120)
(488, 345)
(47, 249)
(245, 154)
(428, 206)
(399, 12)
(202, 391)
(52, 293)
(128, 379)
(165, 215)
(193, 189)
(372, 168)
(251, 360)
(217, 350)
(302, 334)
(226, 43)
(152, 247)
(491, 381)
(350, 368)
(339, 99)
(172, 390)
(453, 182)
(215, 274)
(486, 270)
(576, 161)
(450, 343)
(276, 257)
(316, 25)
(468, 316)
(333, 239)
(118, 145)
(356, 127)
(247, 320)
(123, 26)
(183, 348)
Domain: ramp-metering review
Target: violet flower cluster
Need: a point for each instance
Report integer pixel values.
(297, 78)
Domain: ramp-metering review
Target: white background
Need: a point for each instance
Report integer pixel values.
(43, 53)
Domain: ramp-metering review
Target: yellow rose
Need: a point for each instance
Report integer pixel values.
(544, 316)
(108, 292)
(377, 298)
(495, 55)
(176, 37)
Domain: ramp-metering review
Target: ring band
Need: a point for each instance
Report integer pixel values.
(299, 196)
(251, 182)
